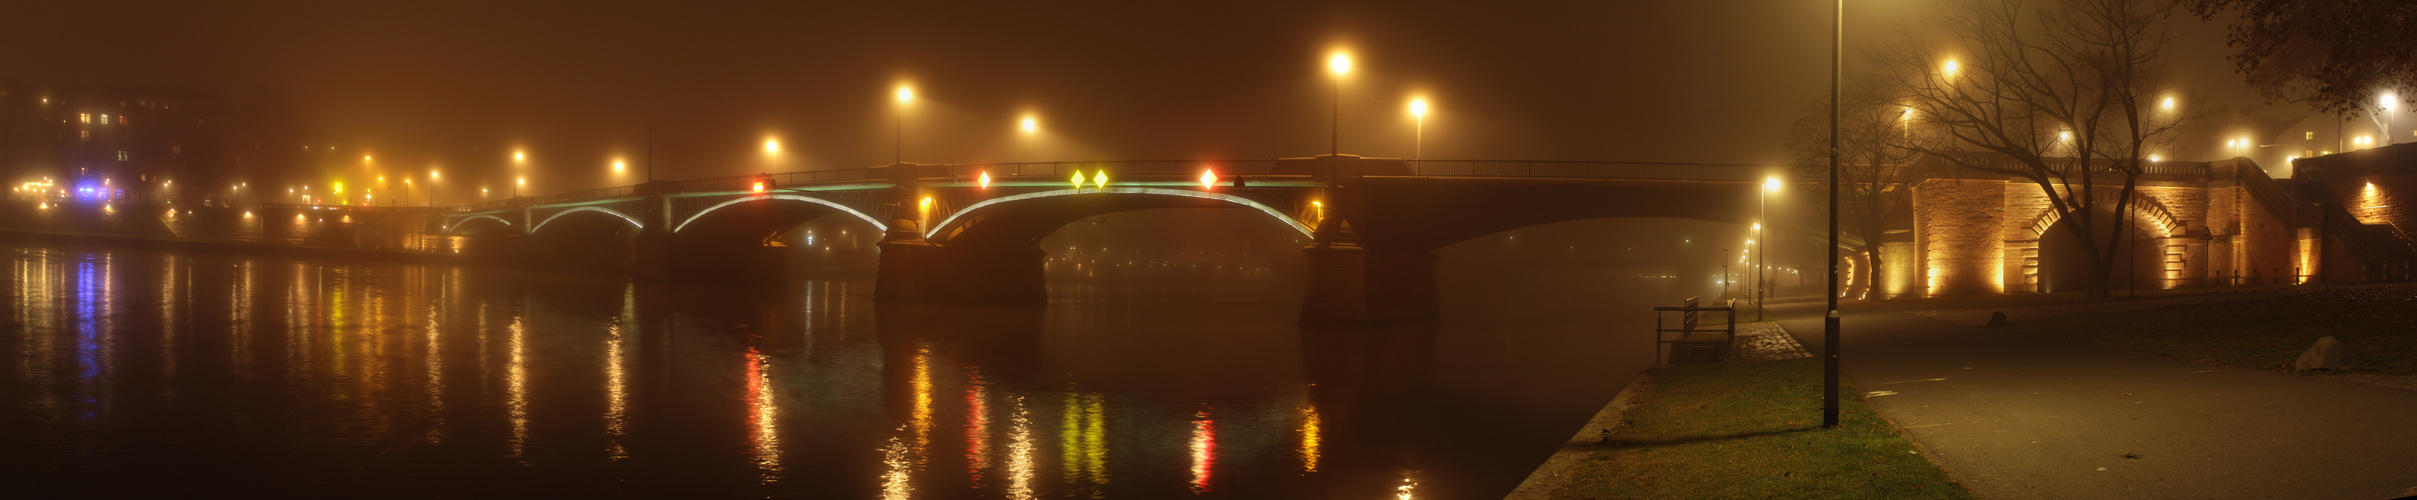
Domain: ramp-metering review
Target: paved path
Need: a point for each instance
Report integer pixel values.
(2014, 416)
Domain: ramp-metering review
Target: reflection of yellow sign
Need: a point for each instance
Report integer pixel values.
(1078, 179)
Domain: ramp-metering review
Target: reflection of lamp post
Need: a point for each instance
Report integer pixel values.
(1340, 65)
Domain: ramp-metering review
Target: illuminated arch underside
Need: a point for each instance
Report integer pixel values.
(1247, 202)
(466, 221)
(633, 222)
(818, 201)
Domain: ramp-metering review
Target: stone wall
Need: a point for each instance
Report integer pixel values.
(1959, 227)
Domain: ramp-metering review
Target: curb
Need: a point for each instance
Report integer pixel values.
(1549, 477)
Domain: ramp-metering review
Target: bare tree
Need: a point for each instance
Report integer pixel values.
(1878, 141)
(2070, 95)
(2331, 54)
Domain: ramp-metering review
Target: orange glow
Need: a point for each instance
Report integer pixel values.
(1339, 64)
(759, 187)
(1310, 438)
(1208, 179)
(762, 413)
(1204, 450)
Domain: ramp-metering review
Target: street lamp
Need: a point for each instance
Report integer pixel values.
(1032, 133)
(1418, 108)
(1762, 294)
(906, 95)
(1340, 65)
(2386, 102)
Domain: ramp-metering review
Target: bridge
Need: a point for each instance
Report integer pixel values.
(971, 232)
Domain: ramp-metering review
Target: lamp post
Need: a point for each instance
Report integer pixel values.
(1762, 240)
(1340, 65)
(1418, 108)
(1829, 320)
(520, 159)
(1032, 136)
(906, 95)
(2386, 102)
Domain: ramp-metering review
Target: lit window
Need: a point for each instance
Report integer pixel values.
(84, 117)
(84, 134)
(2311, 136)
(104, 118)
(121, 156)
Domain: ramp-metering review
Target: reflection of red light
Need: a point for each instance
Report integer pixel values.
(1204, 450)
(759, 187)
(977, 428)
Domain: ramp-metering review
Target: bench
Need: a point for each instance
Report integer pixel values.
(1689, 342)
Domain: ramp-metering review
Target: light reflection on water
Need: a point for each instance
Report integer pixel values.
(255, 375)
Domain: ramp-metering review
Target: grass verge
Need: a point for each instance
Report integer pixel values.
(1752, 430)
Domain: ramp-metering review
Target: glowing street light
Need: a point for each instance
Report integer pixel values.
(1418, 108)
(1338, 64)
(1031, 125)
(2167, 105)
(1950, 67)
(906, 95)
(620, 166)
(771, 147)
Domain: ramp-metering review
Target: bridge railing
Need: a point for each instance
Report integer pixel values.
(1581, 169)
(1067, 169)
(1058, 170)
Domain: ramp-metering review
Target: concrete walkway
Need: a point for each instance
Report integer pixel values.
(2013, 416)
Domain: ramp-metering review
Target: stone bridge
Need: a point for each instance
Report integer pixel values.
(972, 232)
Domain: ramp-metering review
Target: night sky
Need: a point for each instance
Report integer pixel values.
(459, 85)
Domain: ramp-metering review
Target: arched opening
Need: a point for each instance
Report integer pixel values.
(479, 225)
(2064, 265)
(994, 250)
(1211, 253)
(755, 238)
(583, 238)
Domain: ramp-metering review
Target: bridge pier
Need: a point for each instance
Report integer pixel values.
(915, 269)
(1348, 282)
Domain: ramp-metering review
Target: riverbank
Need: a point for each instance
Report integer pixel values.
(227, 246)
(1749, 428)
(2264, 328)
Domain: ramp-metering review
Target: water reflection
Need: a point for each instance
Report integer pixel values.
(426, 381)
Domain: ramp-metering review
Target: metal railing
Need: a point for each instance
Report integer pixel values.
(1063, 170)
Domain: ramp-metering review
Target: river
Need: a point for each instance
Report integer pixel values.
(155, 372)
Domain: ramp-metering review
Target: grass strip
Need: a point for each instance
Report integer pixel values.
(1752, 430)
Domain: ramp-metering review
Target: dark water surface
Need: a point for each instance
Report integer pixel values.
(189, 374)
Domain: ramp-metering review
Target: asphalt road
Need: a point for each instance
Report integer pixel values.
(2015, 416)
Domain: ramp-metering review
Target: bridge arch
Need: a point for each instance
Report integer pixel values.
(835, 206)
(633, 221)
(472, 223)
(1056, 208)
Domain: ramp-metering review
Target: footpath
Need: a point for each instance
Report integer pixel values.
(2014, 416)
